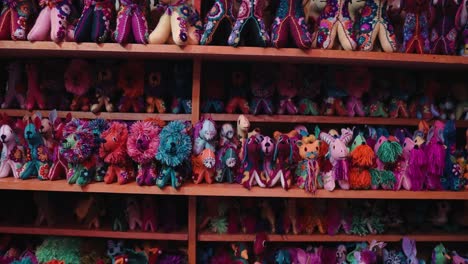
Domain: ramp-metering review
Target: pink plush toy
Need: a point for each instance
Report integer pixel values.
(358, 84)
(133, 213)
(414, 163)
(78, 80)
(338, 217)
(131, 22)
(149, 213)
(15, 88)
(444, 32)
(142, 144)
(435, 154)
(282, 159)
(268, 147)
(16, 19)
(338, 155)
(288, 89)
(59, 167)
(53, 21)
(11, 158)
(34, 96)
(251, 163)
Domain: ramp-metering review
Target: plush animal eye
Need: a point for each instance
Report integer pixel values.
(263, 243)
(316, 148)
(305, 149)
(333, 146)
(114, 139)
(404, 144)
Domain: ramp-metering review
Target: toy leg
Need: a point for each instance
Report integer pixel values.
(344, 185)
(367, 38)
(141, 177)
(387, 38)
(99, 30)
(123, 27)
(300, 33)
(324, 38)
(282, 107)
(42, 170)
(96, 108)
(28, 170)
(83, 27)
(5, 23)
(15, 167)
(110, 175)
(137, 104)
(161, 33)
(5, 169)
(125, 104)
(85, 176)
(139, 27)
(72, 174)
(176, 180)
(350, 106)
(163, 178)
(101, 170)
(247, 180)
(182, 31)
(59, 23)
(280, 39)
(307, 107)
(237, 102)
(346, 35)
(150, 104)
(57, 170)
(339, 107)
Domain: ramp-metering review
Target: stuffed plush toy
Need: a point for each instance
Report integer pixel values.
(181, 100)
(114, 152)
(89, 211)
(142, 144)
(219, 22)
(435, 153)
(444, 33)
(227, 136)
(16, 19)
(203, 166)
(249, 28)
(155, 89)
(204, 136)
(11, 159)
(78, 81)
(267, 147)
(252, 163)
(95, 21)
(181, 20)
(375, 24)
(461, 22)
(308, 169)
(338, 217)
(333, 103)
(388, 152)
(452, 178)
(227, 164)
(53, 22)
(105, 87)
(45, 209)
(362, 159)
(282, 159)
(309, 91)
(313, 216)
(263, 88)
(132, 82)
(416, 27)
(287, 89)
(59, 168)
(34, 95)
(173, 153)
(133, 213)
(149, 215)
(15, 87)
(290, 22)
(131, 22)
(213, 97)
(238, 90)
(359, 82)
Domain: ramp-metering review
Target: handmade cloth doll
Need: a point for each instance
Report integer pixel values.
(11, 159)
(181, 21)
(335, 25)
(132, 82)
(155, 89)
(53, 21)
(362, 159)
(219, 22)
(252, 163)
(34, 96)
(282, 159)
(249, 28)
(105, 87)
(263, 88)
(290, 21)
(359, 82)
(308, 168)
(313, 216)
(375, 24)
(338, 217)
(461, 21)
(204, 135)
(59, 167)
(416, 27)
(78, 81)
(131, 22)
(203, 166)
(173, 152)
(388, 152)
(333, 103)
(444, 33)
(267, 148)
(287, 89)
(36, 154)
(227, 164)
(398, 106)
(338, 155)
(16, 19)
(212, 95)
(142, 144)
(181, 100)
(308, 92)
(238, 90)
(94, 24)
(410, 165)
(98, 126)
(15, 87)
(435, 154)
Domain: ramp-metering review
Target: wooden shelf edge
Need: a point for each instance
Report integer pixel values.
(71, 49)
(230, 190)
(50, 231)
(210, 237)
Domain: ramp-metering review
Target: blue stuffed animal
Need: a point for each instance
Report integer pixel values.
(37, 156)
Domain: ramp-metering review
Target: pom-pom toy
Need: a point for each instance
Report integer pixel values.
(89, 212)
(53, 22)
(78, 81)
(113, 151)
(63, 249)
(131, 22)
(388, 152)
(34, 96)
(238, 90)
(180, 21)
(435, 154)
(173, 152)
(11, 159)
(16, 19)
(219, 22)
(444, 34)
(155, 88)
(181, 100)
(105, 88)
(142, 144)
(252, 163)
(94, 24)
(249, 28)
(362, 159)
(461, 22)
(15, 88)
(416, 27)
(263, 88)
(290, 22)
(287, 89)
(132, 82)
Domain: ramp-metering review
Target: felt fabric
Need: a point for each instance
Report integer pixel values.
(282, 159)
(181, 20)
(203, 166)
(15, 19)
(131, 22)
(416, 27)
(335, 24)
(375, 23)
(227, 164)
(53, 21)
(219, 22)
(462, 25)
(34, 95)
(94, 23)
(444, 33)
(252, 163)
(16, 88)
(36, 154)
(290, 21)
(249, 28)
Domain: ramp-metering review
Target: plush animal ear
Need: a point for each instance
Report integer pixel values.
(346, 135)
(68, 118)
(37, 122)
(276, 135)
(53, 116)
(327, 138)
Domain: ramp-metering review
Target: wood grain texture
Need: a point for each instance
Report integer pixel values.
(93, 50)
(192, 229)
(196, 101)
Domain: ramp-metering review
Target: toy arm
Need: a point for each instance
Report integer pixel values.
(462, 15)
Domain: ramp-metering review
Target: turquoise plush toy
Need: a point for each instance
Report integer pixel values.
(37, 156)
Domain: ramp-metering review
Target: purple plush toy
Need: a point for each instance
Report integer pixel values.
(131, 22)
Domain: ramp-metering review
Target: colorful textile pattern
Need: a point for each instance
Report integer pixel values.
(94, 23)
(462, 24)
(290, 21)
(444, 33)
(131, 22)
(250, 25)
(219, 18)
(416, 27)
(14, 19)
(53, 21)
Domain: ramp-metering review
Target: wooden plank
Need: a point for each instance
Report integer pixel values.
(210, 237)
(81, 232)
(234, 190)
(196, 90)
(192, 229)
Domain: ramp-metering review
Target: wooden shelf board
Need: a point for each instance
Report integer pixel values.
(81, 232)
(93, 50)
(233, 190)
(336, 238)
(105, 115)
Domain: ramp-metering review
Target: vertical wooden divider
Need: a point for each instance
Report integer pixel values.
(196, 90)
(192, 229)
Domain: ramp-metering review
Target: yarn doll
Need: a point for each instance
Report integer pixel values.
(250, 29)
(444, 33)
(149, 214)
(388, 152)
(287, 89)
(173, 152)
(227, 164)
(105, 87)
(204, 136)
(362, 159)
(213, 96)
(179, 24)
(155, 89)
(114, 152)
(181, 100)
(338, 155)
(16, 19)
(461, 21)
(131, 24)
(309, 91)
(416, 26)
(33, 95)
(237, 92)
(435, 153)
(11, 159)
(132, 82)
(359, 82)
(398, 106)
(375, 24)
(308, 168)
(133, 213)
(78, 81)
(94, 24)
(335, 25)
(333, 103)
(203, 166)
(252, 163)
(282, 158)
(59, 167)
(142, 143)
(54, 22)
(267, 150)
(263, 88)
(290, 22)
(219, 22)
(15, 87)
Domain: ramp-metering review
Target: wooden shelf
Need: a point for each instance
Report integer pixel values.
(232, 190)
(82, 232)
(105, 115)
(93, 50)
(336, 238)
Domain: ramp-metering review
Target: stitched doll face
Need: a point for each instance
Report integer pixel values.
(208, 131)
(341, 254)
(227, 131)
(6, 134)
(114, 137)
(283, 145)
(268, 146)
(208, 157)
(229, 158)
(143, 142)
(32, 135)
(154, 79)
(46, 128)
(243, 123)
(308, 150)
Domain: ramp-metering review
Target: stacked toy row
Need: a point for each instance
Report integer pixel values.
(352, 253)
(55, 250)
(424, 27)
(302, 216)
(110, 86)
